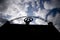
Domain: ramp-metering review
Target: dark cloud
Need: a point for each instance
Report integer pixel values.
(2, 1)
(3, 5)
(55, 4)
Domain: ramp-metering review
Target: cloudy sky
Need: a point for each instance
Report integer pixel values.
(10, 9)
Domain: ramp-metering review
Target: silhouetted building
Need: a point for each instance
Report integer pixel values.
(27, 28)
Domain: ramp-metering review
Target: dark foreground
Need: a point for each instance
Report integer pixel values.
(28, 28)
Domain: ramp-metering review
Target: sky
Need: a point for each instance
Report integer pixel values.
(10, 9)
